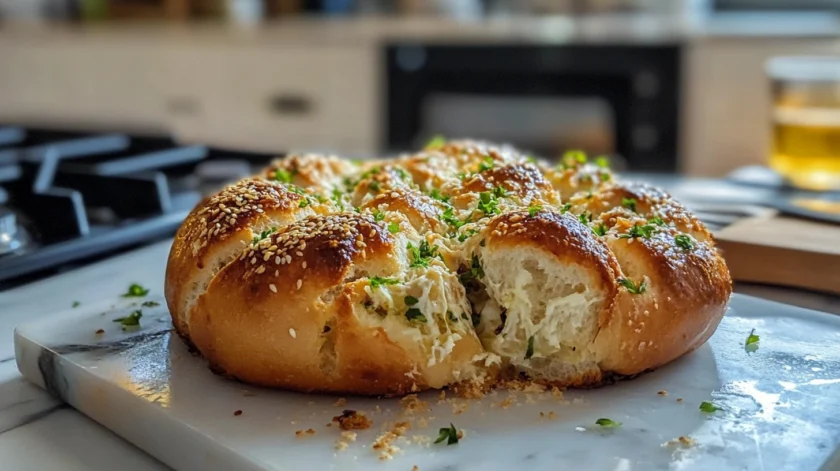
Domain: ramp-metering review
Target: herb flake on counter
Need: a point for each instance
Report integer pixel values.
(76, 304)
(608, 423)
(709, 407)
(449, 434)
(376, 281)
(751, 343)
(632, 287)
(150, 304)
(530, 351)
(131, 320)
(135, 291)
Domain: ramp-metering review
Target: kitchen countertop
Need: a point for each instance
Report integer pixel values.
(39, 433)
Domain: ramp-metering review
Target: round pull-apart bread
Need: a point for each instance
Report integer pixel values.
(465, 262)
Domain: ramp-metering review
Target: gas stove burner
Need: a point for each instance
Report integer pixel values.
(11, 238)
(66, 196)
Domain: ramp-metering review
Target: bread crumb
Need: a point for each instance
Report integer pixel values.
(550, 415)
(352, 420)
(423, 440)
(422, 422)
(237, 412)
(378, 409)
(683, 441)
(679, 399)
(340, 402)
(293, 333)
(504, 404)
(247, 393)
(557, 392)
(411, 404)
(100, 331)
(459, 408)
(340, 445)
(385, 441)
(663, 393)
(308, 432)
(294, 422)
(415, 468)
(442, 395)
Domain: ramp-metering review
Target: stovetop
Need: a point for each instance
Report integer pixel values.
(68, 196)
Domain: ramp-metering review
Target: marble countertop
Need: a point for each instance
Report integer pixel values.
(39, 433)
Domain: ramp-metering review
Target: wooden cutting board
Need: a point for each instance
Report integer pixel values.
(785, 251)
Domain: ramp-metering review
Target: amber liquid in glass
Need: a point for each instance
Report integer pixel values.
(806, 145)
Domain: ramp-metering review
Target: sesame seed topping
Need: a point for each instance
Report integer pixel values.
(293, 333)
(272, 288)
(299, 283)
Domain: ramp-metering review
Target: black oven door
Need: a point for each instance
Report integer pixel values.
(618, 100)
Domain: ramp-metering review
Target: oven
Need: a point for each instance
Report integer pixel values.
(620, 100)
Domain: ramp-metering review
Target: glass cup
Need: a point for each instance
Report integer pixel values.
(806, 120)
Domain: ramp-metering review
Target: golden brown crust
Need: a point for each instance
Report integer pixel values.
(272, 279)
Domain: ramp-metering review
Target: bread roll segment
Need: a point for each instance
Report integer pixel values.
(465, 262)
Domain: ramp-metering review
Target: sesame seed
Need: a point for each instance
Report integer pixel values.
(298, 253)
(272, 288)
(293, 333)
(260, 269)
(303, 264)
(278, 260)
(299, 283)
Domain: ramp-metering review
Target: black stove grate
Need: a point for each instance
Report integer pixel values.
(66, 197)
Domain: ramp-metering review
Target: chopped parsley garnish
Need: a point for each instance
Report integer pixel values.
(374, 186)
(566, 207)
(410, 300)
(422, 255)
(530, 159)
(450, 434)
(131, 320)
(486, 164)
(378, 215)
(475, 272)
(488, 203)
(284, 176)
(585, 217)
(600, 229)
(393, 227)
(533, 210)
(296, 189)
(751, 344)
(150, 304)
(76, 304)
(449, 217)
(402, 173)
(468, 234)
(632, 287)
(607, 423)
(605, 176)
(414, 315)
(436, 142)
(303, 203)
(372, 171)
(639, 231)
(573, 158)
(629, 203)
(435, 193)
(529, 352)
(263, 235)
(684, 242)
(709, 407)
(602, 161)
(500, 192)
(135, 291)
(376, 281)
(656, 220)
(336, 196)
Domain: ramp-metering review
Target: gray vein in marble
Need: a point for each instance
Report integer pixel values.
(29, 418)
(6, 360)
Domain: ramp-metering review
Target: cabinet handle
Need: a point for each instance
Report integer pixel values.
(290, 104)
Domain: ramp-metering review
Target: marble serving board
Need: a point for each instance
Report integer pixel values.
(780, 404)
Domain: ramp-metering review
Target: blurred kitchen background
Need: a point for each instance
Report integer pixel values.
(668, 85)
(120, 114)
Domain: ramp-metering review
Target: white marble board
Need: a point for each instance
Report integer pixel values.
(781, 404)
